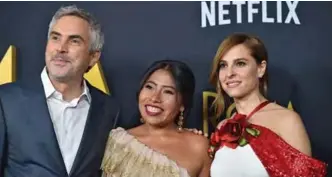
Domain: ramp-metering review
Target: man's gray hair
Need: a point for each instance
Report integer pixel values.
(96, 35)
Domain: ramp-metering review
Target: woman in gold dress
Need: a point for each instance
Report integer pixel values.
(160, 147)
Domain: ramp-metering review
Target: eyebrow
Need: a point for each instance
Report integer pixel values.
(55, 33)
(240, 59)
(75, 36)
(167, 86)
(236, 59)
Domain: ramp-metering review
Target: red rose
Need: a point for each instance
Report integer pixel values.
(215, 141)
(215, 138)
(233, 130)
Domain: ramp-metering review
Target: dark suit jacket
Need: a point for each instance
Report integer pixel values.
(28, 144)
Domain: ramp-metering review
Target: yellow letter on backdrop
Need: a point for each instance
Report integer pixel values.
(96, 78)
(8, 66)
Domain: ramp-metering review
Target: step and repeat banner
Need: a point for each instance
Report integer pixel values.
(298, 36)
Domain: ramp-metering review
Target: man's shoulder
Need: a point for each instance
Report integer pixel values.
(10, 87)
(95, 92)
(98, 94)
(15, 89)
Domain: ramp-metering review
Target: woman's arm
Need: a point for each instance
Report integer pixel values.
(292, 130)
(205, 158)
(205, 171)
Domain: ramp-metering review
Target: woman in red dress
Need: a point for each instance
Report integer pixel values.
(262, 138)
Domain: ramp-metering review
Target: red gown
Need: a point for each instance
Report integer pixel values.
(278, 157)
(281, 159)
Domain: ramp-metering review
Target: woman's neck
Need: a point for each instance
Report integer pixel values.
(247, 104)
(160, 130)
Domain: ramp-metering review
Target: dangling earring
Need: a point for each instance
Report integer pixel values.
(180, 121)
(142, 120)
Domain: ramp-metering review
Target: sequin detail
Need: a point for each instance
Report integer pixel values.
(281, 159)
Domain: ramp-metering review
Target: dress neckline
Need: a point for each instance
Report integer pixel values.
(135, 139)
(256, 109)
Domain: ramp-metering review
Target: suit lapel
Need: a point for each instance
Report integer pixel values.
(35, 107)
(94, 120)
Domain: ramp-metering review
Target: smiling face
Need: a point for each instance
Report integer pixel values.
(239, 72)
(67, 51)
(159, 101)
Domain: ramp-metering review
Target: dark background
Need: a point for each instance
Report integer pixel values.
(138, 33)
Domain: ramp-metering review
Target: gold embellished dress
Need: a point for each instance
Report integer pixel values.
(125, 156)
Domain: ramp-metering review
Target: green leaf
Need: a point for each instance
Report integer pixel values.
(253, 132)
(243, 142)
(257, 132)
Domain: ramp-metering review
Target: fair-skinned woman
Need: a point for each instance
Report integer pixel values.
(160, 146)
(262, 138)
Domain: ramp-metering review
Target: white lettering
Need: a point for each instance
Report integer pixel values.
(223, 12)
(292, 14)
(265, 18)
(252, 10)
(279, 11)
(239, 10)
(260, 9)
(207, 14)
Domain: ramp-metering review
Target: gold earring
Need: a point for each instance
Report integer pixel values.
(180, 121)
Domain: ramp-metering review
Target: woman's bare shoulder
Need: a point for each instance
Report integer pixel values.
(281, 113)
(289, 126)
(199, 143)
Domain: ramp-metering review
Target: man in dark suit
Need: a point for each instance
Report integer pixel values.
(59, 128)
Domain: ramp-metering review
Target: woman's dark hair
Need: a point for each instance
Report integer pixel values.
(183, 77)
